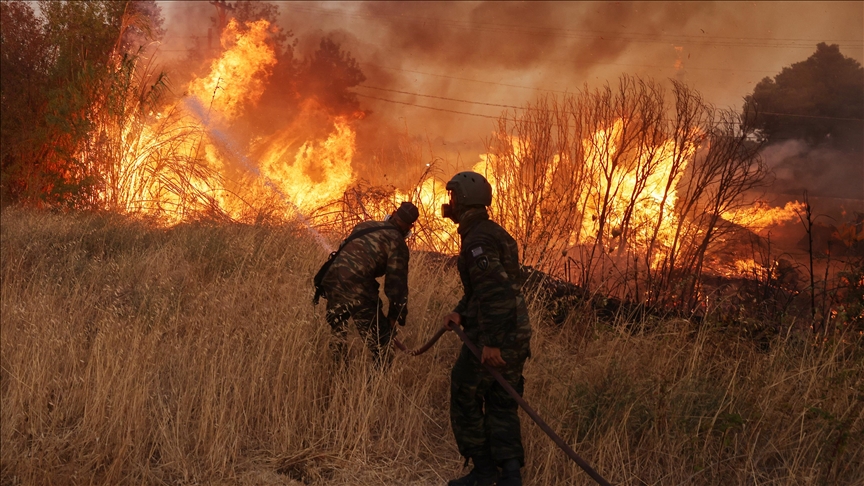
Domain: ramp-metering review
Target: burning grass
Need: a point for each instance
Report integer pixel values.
(192, 355)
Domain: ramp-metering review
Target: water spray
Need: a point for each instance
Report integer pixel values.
(194, 106)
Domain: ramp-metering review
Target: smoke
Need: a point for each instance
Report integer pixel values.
(518, 35)
(821, 171)
(421, 58)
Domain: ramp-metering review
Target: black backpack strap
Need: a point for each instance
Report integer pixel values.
(322, 272)
(365, 232)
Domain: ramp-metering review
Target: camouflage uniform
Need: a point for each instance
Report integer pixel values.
(352, 291)
(493, 312)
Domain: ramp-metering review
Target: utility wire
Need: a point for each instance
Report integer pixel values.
(539, 109)
(809, 116)
(444, 98)
(500, 117)
(467, 79)
(428, 107)
(685, 67)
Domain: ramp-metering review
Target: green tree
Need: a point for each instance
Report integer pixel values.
(62, 66)
(24, 68)
(820, 100)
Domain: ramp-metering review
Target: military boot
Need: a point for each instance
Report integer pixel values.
(484, 473)
(510, 475)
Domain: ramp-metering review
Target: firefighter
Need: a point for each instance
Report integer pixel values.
(373, 249)
(494, 316)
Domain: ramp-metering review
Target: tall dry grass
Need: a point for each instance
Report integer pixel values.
(134, 355)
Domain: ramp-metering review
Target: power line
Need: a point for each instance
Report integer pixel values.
(809, 116)
(504, 118)
(553, 90)
(539, 109)
(443, 98)
(685, 68)
(428, 107)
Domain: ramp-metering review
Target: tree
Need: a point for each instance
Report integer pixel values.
(59, 68)
(820, 100)
(603, 180)
(244, 11)
(328, 75)
(144, 24)
(24, 70)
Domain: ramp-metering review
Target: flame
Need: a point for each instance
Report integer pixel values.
(749, 267)
(649, 201)
(637, 190)
(185, 161)
(761, 215)
(320, 171)
(238, 77)
(176, 163)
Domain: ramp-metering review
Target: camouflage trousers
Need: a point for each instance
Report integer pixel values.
(483, 415)
(371, 323)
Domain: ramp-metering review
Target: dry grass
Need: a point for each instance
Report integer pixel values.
(133, 355)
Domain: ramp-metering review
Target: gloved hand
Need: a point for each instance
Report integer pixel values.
(398, 314)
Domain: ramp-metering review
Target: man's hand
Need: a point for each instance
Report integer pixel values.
(453, 317)
(492, 357)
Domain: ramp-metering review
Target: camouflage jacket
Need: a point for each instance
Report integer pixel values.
(493, 308)
(351, 278)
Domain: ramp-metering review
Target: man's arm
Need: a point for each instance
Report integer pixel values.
(493, 291)
(396, 283)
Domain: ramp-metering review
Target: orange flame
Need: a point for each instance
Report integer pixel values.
(310, 173)
(175, 167)
(319, 173)
(760, 215)
(238, 77)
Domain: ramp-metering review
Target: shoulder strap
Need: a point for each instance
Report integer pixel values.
(322, 272)
(364, 232)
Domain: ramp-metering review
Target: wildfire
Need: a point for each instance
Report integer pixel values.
(760, 215)
(320, 172)
(185, 160)
(238, 77)
(627, 194)
(749, 267)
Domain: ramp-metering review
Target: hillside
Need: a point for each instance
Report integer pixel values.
(192, 355)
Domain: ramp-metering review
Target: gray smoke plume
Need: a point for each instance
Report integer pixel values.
(826, 174)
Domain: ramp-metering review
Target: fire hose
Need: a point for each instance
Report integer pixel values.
(509, 389)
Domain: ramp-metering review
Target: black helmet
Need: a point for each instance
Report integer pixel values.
(407, 212)
(470, 189)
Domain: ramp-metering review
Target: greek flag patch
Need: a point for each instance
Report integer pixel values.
(477, 251)
(483, 263)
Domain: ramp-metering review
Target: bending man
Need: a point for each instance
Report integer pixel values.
(373, 249)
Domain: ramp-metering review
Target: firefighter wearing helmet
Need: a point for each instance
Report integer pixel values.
(493, 314)
(348, 282)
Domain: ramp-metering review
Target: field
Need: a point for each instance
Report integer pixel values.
(137, 355)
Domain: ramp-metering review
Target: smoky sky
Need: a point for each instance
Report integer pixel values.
(442, 71)
(517, 35)
(509, 52)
